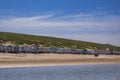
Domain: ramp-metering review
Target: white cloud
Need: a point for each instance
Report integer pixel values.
(32, 18)
(78, 26)
(82, 15)
(40, 21)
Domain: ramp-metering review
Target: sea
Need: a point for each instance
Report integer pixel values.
(79, 72)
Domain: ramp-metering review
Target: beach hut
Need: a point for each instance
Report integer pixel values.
(1, 48)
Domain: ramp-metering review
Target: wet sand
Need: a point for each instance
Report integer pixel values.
(35, 60)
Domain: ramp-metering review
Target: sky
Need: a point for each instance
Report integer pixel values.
(87, 20)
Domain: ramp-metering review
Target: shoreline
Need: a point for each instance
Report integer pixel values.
(32, 60)
(51, 65)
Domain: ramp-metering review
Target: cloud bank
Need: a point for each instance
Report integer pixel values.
(86, 27)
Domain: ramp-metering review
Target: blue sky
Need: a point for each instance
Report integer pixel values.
(88, 20)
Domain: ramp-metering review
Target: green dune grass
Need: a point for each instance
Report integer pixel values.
(19, 39)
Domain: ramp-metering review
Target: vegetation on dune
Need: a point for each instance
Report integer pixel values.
(20, 39)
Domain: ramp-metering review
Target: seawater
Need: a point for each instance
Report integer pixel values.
(82, 72)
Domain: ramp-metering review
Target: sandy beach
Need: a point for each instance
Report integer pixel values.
(34, 60)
